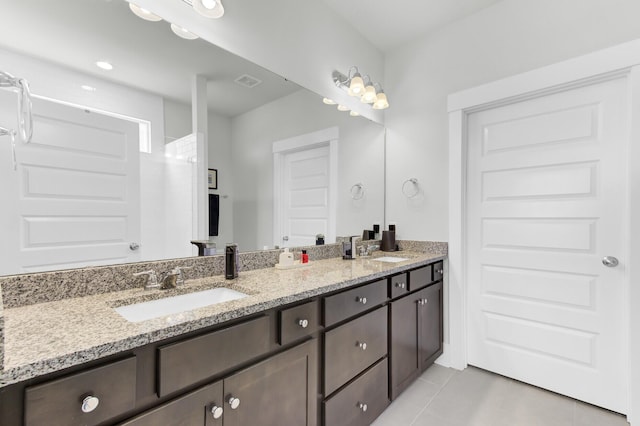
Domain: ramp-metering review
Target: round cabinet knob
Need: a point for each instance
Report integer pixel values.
(216, 411)
(90, 403)
(440, 271)
(362, 300)
(234, 402)
(610, 261)
(303, 323)
(362, 406)
(362, 345)
(400, 285)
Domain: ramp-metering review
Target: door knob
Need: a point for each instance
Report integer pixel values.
(610, 261)
(134, 246)
(285, 238)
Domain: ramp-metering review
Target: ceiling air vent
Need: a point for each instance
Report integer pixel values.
(247, 81)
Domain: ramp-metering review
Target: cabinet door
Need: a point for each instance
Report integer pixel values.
(430, 325)
(282, 390)
(405, 362)
(202, 407)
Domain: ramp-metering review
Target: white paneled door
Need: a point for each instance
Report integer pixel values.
(546, 202)
(305, 190)
(74, 198)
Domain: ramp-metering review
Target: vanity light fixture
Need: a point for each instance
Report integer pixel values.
(183, 32)
(209, 8)
(144, 13)
(354, 84)
(105, 65)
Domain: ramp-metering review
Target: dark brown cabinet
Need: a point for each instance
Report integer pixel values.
(282, 389)
(415, 335)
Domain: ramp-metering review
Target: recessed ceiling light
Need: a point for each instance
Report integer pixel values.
(328, 101)
(144, 13)
(104, 65)
(88, 88)
(343, 108)
(183, 32)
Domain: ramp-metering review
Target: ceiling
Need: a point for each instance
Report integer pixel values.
(146, 55)
(388, 24)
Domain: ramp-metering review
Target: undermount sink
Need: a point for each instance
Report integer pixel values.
(172, 305)
(390, 259)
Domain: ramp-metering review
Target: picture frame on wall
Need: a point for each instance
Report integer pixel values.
(213, 179)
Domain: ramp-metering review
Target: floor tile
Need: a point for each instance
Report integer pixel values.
(400, 412)
(588, 415)
(438, 374)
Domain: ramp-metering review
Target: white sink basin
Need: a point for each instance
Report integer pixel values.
(173, 305)
(390, 259)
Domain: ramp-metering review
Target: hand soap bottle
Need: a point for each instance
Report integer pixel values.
(286, 257)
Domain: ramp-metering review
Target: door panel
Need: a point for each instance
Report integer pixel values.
(75, 193)
(546, 201)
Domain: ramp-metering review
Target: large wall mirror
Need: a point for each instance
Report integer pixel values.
(109, 175)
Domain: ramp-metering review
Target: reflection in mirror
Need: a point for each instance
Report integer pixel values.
(110, 174)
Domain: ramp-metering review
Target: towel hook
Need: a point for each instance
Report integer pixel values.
(416, 187)
(357, 191)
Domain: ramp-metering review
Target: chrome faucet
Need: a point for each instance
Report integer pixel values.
(179, 272)
(151, 281)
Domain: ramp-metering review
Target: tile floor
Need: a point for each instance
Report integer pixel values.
(474, 397)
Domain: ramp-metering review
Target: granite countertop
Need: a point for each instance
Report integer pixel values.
(50, 336)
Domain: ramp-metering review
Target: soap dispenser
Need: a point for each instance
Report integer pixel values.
(231, 265)
(286, 257)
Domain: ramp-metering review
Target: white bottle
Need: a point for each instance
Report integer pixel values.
(286, 257)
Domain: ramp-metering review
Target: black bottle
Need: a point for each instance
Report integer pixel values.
(231, 261)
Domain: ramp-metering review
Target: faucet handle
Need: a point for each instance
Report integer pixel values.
(178, 270)
(152, 279)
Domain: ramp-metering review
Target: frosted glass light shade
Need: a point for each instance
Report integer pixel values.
(381, 101)
(209, 8)
(183, 32)
(343, 108)
(144, 13)
(369, 95)
(356, 88)
(328, 101)
(354, 113)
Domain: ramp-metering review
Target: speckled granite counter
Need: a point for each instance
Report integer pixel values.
(50, 336)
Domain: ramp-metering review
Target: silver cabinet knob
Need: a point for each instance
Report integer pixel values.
(362, 345)
(216, 411)
(610, 261)
(90, 403)
(362, 300)
(234, 402)
(423, 302)
(362, 406)
(303, 323)
(400, 285)
(440, 271)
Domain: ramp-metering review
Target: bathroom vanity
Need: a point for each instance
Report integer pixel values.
(332, 343)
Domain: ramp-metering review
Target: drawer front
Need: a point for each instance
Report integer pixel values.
(61, 401)
(190, 361)
(438, 271)
(298, 322)
(352, 302)
(420, 277)
(353, 347)
(399, 285)
(347, 407)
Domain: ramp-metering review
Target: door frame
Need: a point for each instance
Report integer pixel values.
(618, 61)
(327, 137)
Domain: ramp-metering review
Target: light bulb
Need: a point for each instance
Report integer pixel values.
(328, 101)
(356, 88)
(343, 108)
(104, 65)
(381, 101)
(183, 32)
(354, 114)
(369, 95)
(144, 13)
(209, 8)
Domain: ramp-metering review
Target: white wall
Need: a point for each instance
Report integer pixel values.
(511, 37)
(220, 159)
(360, 159)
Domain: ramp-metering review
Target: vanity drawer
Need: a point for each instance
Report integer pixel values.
(420, 277)
(69, 400)
(438, 271)
(351, 302)
(399, 285)
(362, 401)
(354, 346)
(298, 322)
(187, 362)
